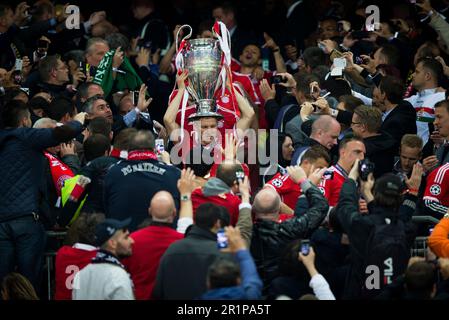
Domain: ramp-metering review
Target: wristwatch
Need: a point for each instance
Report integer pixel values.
(185, 197)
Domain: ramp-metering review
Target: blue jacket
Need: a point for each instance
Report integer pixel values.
(250, 288)
(129, 187)
(21, 164)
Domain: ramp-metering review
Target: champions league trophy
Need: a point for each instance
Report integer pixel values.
(203, 58)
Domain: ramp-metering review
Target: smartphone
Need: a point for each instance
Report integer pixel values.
(305, 247)
(17, 77)
(135, 97)
(279, 79)
(240, 175)
(328, 175)
(359, 60)
(18, 65)
(159, 143)
(222, 239)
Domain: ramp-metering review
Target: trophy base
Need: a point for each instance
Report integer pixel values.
(205, 109)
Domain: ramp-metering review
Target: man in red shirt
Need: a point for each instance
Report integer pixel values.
(150, 243)
(72, 258)
(205, 132)
(350, 150)
(436, 196)
(315, 158)
(221, 190)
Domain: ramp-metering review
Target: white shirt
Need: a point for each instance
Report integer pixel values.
(102, 281)
(321, 288)
(386, 113)
(424, 104)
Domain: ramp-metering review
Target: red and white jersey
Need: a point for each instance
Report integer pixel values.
(224, 107)
(437, 189)
(288, 190)
(331, 187)
(247, 84)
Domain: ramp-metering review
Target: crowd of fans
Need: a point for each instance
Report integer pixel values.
(95, 142)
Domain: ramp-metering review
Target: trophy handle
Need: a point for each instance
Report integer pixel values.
(185, 38)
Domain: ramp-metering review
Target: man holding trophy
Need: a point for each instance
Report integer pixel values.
(210, 104)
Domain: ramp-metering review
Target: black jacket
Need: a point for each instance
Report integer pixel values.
(398, 291)
(96, 170)
(130, 185)
(21, 166)
(182, 272)
(400, 121)
(270, 237)
(358, 227)
(381, 150)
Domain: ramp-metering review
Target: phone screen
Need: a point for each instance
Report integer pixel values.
(222, 239)
(305, 247)
(159, 146)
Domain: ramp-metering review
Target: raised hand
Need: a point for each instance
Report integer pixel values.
(296, 173)
(268, 93)
(118, 58)
(186, 184)
(181, 80)
(143, 103)
(415, 179)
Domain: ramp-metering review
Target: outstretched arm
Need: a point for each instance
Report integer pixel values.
(172, 110)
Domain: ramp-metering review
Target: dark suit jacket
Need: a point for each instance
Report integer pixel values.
(300, 24)
(400, 121)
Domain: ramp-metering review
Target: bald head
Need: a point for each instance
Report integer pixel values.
(326, 130)
(324, 123)
(162, 207)
(267, 204)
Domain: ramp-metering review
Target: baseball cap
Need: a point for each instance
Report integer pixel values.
(389, 184)
(105, 230)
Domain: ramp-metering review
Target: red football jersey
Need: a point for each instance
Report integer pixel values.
(286, 188)
(69, 261)
(437, 188)
(228, 200)
(331, 187)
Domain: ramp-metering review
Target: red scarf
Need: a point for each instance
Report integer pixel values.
(141, 155)
(59, 172)
(115, 153)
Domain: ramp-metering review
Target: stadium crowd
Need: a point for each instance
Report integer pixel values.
(349, 122)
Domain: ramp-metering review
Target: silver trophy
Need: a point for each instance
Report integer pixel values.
(202, 58)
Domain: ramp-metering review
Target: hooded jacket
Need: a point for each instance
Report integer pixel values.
(381, 150)
(217, 192)
(359, 227)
